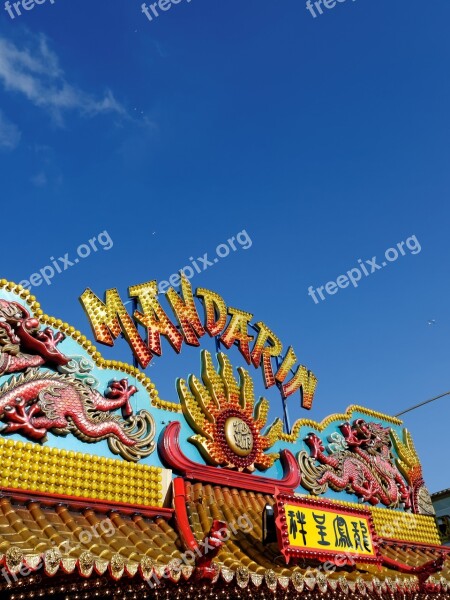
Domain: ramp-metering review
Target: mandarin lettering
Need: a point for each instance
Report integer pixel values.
(185, 323)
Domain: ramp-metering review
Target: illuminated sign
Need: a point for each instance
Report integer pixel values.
(230, 326)
(321, 530)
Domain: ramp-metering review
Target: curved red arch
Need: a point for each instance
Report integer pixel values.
(172, 455)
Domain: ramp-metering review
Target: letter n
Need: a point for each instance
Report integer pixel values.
(303, 379)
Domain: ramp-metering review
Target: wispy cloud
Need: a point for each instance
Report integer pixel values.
(39, 180)
(48, 173)
(9, 134)
(33, 70)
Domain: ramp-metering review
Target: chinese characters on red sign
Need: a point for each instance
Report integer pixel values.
(319, 529)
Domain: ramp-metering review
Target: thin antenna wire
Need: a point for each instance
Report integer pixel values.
(134, 307)
(422, 404)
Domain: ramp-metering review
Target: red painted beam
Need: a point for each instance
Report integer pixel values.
(102, 506)
(393, 543)
(184, 527)
(430, 567)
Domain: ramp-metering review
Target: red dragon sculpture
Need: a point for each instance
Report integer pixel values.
(362, 465)
(37, 401)
(23, 344)
(208, 550)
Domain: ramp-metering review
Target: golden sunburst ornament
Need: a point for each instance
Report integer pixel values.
(223, 414)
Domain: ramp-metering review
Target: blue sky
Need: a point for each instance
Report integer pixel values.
(325, 139)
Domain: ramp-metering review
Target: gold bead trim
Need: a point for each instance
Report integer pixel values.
(30, 467)
(407, 527)
(292, 437)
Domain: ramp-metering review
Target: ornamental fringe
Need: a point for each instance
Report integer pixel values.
(52, 560)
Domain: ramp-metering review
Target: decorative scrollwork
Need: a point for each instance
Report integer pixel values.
(141, 428)
(80, 367)
(311, 473)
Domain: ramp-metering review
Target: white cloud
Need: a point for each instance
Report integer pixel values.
(34, 72)
(9, 134)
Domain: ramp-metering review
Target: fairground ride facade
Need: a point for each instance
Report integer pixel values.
(108, 491)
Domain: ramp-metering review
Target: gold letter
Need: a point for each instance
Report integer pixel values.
(154, 318)
(303, 379)
(274, 349)
(186, 312)
(109, 319)
(237, 332)
(215, 311)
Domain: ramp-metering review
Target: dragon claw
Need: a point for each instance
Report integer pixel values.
(18, 408)
(49, 338)
(59, 337)
(121, 390)
(17, 412)
(19, 419)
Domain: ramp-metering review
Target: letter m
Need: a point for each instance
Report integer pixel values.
(109, 319)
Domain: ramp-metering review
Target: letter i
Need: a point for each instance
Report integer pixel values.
(55, 264)
(191, 258)
(365, 271)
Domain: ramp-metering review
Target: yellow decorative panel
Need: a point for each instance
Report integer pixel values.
(27, 466)
(392, 524)
(397, 525)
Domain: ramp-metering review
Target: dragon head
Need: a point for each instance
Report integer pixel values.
(379, 436)
(372, 436)
(217, 533)
(20, 332)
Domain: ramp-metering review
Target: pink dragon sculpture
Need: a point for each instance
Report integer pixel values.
(37, 400)
(364, 465)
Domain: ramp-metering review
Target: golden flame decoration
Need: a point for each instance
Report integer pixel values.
(408, 461)
(223, 414)
(411, 468)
